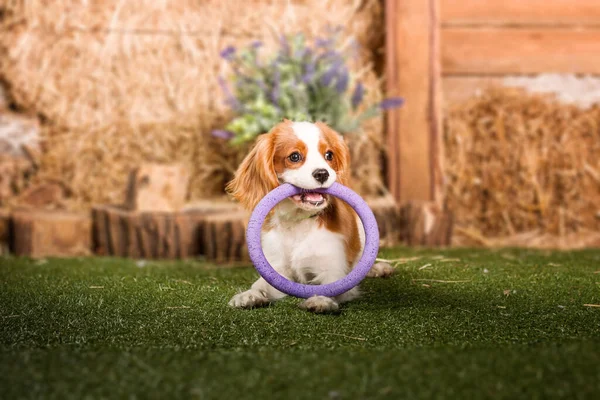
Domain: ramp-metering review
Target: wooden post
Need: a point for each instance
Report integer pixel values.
(413, 72)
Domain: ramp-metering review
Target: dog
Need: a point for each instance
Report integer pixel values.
(310, 237)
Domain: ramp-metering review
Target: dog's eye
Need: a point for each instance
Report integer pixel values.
(295, 157)
(329, 156)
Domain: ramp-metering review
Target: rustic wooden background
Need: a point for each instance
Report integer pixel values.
(443, 51)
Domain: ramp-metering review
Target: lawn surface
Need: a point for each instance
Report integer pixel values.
(456, 324)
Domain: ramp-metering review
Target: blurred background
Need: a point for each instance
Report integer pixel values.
(497, 142)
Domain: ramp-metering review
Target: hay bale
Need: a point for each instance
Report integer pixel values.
(15, 172)
(522, 164)
(121, 83)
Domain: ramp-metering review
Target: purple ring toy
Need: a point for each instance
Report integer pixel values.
(277, 195)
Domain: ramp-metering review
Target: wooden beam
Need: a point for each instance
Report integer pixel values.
(413, 71)
(496, 51)
(520, 12)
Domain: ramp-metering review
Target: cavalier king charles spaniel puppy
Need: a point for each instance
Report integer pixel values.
(310, 237)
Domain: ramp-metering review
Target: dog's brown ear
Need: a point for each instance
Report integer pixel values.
(341, 157)
(256, 175)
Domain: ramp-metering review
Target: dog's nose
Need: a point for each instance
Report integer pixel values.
(321, 175)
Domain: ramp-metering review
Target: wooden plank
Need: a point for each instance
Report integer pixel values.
(520, 12)
(496, 51)
(412, 71)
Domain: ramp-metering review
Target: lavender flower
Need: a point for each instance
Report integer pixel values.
(275, 90)
(320, 42)
(357, 96)
(342, 81)
(229, 97)
(228, 53)
(222, 134)
(328, 55)
(309, 71)
(392, 102)
(302, 79)
(331, 73)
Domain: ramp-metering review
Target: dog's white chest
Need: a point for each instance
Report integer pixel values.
(303, 247)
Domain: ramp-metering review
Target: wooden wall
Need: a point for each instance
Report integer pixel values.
(485, 40)
(442, 51)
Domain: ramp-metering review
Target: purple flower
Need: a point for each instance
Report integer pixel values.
(275, 90)
(320, 42)
(229, 97)
(222, 134)
(342, 82)
(328, 55)
(392, 102)
(228, 53)
(309, 71)
(331, 73)
(256, 44)
(357, 96)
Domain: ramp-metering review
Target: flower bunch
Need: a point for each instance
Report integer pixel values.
(299, 82)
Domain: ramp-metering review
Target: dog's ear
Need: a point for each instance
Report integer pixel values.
(341, 153)
(256, 175)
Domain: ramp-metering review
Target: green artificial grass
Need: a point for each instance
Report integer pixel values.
(454, 324)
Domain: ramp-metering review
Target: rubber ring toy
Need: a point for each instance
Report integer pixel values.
(282, 192)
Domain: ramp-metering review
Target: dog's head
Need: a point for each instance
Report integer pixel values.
(307, 155)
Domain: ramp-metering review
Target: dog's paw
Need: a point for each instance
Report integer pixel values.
(320, 304)
(381, 270)
(249, 299)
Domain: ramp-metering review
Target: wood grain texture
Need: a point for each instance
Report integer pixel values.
(426, 224)
(497, 51)
(224, 238)
(171, 235)
(51, 233)
(520, 12)
(412, 71)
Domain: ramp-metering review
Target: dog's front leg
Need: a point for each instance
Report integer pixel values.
(323, 266)
(324, 304)
(261, 293)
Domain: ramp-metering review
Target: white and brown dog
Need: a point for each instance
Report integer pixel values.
(310, 237)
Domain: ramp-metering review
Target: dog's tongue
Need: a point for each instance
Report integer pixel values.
(314, 197)
(310, 196)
